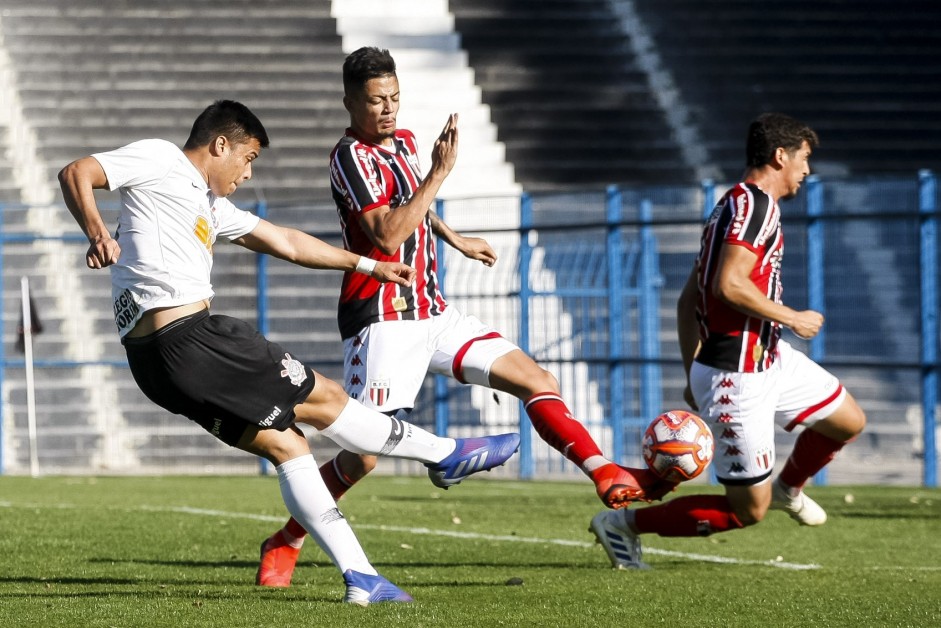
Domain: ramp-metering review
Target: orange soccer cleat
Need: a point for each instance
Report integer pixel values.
(277, 562)
(619, 486)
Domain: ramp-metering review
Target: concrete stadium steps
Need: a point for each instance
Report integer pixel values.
(96, 77)
(551, 73)
(861, 77)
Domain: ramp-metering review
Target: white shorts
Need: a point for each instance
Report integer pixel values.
(385, 364)
(742, 409)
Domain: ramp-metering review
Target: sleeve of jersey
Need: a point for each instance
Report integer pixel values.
(748, 226)
(139, 164)
(357, 177)
(233, 222)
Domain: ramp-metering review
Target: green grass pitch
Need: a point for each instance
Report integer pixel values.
(182, 551)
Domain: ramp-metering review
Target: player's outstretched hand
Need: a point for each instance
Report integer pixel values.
(807, 323)
(444, 153)
(394, 272)
(102, 253)
(478, 249)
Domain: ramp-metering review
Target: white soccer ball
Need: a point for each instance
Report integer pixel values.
(678, 445)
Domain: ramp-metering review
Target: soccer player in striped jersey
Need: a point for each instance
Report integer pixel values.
(742, 376)
(393, 338)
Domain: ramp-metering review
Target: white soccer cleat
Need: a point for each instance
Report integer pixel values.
(801, 509)
(619, 542)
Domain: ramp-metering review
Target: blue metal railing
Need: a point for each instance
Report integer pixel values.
(631, 290)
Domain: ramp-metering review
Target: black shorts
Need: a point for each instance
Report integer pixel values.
(221, 373)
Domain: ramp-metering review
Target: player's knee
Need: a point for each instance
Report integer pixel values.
(541, 380)
(357, 466)
(750, 516)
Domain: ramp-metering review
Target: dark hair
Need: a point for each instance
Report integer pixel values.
(771, 131)
(364, 64)
(229, 118)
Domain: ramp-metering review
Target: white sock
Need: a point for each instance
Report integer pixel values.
(364, 431)
(594, 462)
(310, 503)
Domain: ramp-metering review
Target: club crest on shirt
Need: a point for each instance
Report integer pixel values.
(378, 390)
(293, 370)
(203, 231)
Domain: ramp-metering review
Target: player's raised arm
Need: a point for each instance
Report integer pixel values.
(78, 181)
(305, 250)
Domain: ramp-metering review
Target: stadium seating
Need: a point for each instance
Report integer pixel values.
(573, 107)
(861, 73)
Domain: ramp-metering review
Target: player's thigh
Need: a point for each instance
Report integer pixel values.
(807, 392)
(385, 364)
(739, 408)
(465, 348)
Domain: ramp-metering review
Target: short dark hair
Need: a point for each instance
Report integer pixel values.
(229, 118)
(364, 64)
(771, 131)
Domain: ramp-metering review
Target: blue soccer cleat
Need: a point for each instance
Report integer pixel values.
(471, 456)
(363, 590)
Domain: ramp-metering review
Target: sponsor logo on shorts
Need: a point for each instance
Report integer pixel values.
(736, 467)
(729, 433)
(293, 369)
(725, 417)
(726, 383)
(763, 458)
(378, 391)
(732, 450)
(268, 420)
(216, 427)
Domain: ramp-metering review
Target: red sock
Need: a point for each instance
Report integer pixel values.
(556, 425)
(338, 483)
(812, 452)
(695, 515)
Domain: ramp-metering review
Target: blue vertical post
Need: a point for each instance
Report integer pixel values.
(261, 305)
(708, 197)
(3, 357)
(815, 275)
(442, 410)
(928, 234)
(649, 279)
(614, 255)
(527, 466)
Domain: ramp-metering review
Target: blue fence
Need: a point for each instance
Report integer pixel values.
(863, 252)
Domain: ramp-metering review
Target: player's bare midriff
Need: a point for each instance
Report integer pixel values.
(152, 320)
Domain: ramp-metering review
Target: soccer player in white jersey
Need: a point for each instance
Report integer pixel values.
(393, 336)
(219, 371)
(742, 377)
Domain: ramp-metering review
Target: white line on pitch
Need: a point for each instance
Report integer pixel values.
(492, 537)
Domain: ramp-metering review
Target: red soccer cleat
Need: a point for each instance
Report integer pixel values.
(277, 562)
(619, 486)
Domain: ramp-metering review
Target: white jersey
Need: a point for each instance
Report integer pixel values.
(168, 223)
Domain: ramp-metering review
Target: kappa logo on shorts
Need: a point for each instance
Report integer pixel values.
(293, 370)
(378, 391)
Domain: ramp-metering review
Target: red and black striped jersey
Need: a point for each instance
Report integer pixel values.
(364, 176)
(732, 340)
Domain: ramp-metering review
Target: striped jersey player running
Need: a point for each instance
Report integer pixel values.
(742, 377)
(393, 338)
